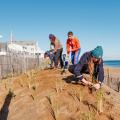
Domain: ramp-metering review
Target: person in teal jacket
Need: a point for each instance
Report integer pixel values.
(91, 63)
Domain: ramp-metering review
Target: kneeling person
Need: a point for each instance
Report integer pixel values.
(90, 63)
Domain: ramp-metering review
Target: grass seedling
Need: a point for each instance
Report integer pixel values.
(100, 101)
(29, 79)
(32, 97)
(5, 85)
(88, 116)
(56, 110)
(61, 85)
(20, 82)
(57, 86)
(80, 94)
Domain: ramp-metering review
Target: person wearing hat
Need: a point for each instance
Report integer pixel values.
(57, 48)
(90, 63)
(73, 48)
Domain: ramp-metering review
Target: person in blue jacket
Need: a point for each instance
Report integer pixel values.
(90, 63)
(50, 54)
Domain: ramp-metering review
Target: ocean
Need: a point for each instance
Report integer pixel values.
(112, 63)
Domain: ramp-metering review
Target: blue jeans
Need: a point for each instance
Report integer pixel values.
(75, 55)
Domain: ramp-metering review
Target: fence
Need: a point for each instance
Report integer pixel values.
(111, 81)
(11, 64)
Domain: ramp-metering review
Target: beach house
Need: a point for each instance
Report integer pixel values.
(28, 48)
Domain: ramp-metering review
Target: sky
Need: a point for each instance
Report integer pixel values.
(94, 22)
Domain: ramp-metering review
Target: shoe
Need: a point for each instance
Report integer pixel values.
(74, 81)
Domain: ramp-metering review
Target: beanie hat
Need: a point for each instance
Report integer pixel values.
(97, 52)
(51, 36)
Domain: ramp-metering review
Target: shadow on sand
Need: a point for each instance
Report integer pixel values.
(5, 108)
(69, 79)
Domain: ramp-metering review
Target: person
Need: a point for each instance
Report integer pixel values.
(65, 62)
(46, 62)
(73, 47)
(90, 63)
(58, 49)
(50, 54)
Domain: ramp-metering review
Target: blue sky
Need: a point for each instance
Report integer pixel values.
(94, 22)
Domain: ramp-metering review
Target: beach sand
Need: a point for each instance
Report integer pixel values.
(113, 72)
(48, 95)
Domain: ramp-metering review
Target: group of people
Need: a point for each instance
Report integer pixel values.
(91, 62)
(56, 49)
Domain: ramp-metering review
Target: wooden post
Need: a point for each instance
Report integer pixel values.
(0, 72)
(118, 84)
(108, 77)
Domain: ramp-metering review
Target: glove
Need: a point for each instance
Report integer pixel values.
(86, 82)
(97, 86)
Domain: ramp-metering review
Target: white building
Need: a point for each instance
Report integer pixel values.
(29, 48)
(3, 48)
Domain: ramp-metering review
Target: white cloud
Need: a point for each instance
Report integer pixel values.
(1, 36)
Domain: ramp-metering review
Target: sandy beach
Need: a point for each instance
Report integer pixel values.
(113, 79)
(113, 72)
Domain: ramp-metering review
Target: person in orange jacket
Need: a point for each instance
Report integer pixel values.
(73, 47)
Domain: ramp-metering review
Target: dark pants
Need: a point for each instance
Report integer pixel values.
(72, 68)
(84, 70)
(58, 56)
(52, 59)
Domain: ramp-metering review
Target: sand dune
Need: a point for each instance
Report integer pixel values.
(48, 95)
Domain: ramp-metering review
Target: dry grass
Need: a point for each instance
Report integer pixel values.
(59, 85)
(100, 100)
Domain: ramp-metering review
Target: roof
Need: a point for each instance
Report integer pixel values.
(25, 42)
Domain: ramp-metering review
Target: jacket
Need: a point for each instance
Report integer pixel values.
(83, 64)
(72, 44)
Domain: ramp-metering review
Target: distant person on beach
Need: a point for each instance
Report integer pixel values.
(73, 48)
(58, 49)
(90, 63)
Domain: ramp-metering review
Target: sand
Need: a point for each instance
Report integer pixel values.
(48, 95)
(114, 72)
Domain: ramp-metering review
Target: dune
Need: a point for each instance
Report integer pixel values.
(49, 95)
